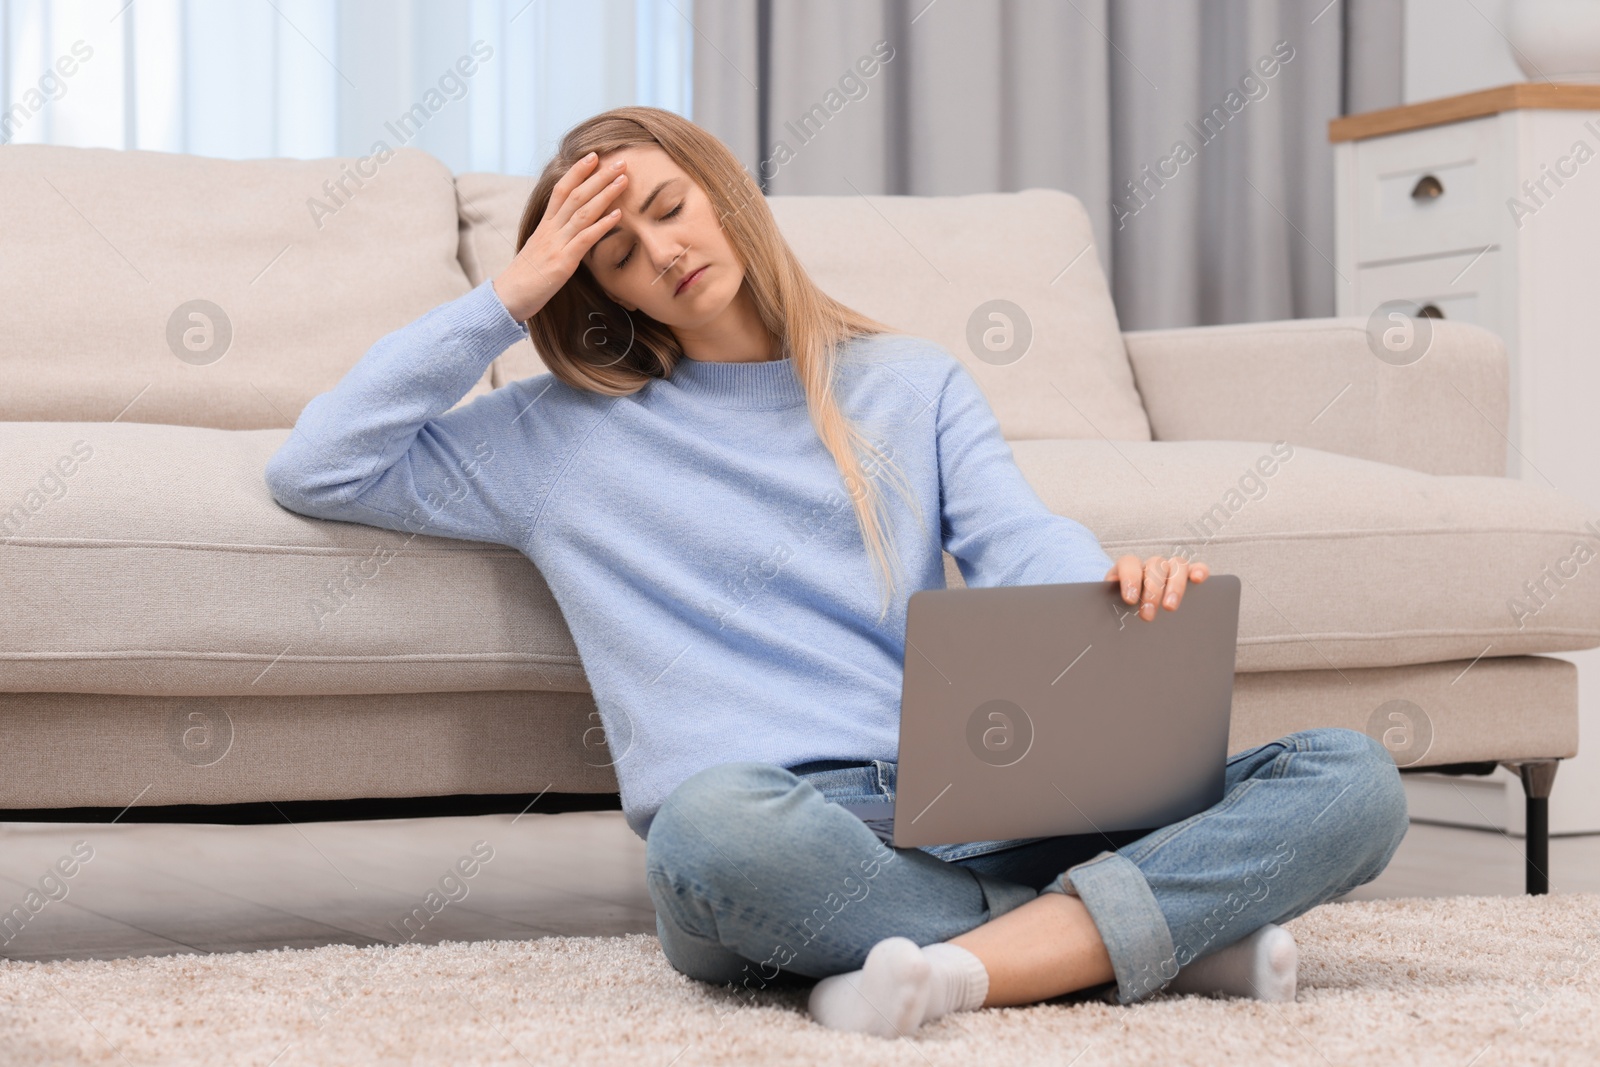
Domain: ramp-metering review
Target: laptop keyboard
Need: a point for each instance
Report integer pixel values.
(877, 813)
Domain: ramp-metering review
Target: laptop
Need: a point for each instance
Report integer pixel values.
(1045, 710)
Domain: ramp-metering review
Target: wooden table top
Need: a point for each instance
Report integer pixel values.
(1569, 96)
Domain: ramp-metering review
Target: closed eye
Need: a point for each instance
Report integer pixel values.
(624, 260)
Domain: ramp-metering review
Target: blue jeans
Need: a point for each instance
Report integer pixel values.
(758, 878)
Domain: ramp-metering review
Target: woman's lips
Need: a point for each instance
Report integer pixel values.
(689, 279)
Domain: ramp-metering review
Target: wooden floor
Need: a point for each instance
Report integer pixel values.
(162, 889)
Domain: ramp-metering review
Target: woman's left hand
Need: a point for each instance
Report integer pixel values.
(1157, 578)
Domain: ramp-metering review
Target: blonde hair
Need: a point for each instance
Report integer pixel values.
(572, 330)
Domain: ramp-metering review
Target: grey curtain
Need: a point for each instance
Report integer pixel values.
(1194, 131)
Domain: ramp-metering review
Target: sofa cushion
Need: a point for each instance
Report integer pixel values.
(928, 265)
(105, 251)
(152, 559)
(146, 559)
(1343, 562)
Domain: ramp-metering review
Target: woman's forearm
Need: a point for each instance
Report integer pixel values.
(393, 410)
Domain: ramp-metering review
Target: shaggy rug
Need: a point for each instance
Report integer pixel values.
(1462, 981)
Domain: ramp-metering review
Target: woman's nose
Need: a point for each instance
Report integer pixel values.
(663, 252)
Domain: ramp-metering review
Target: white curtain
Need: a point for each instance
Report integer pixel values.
(481, 84)
(1083, 95)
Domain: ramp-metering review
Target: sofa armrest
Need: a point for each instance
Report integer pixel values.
(1315, 382)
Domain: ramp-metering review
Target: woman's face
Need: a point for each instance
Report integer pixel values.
(667, 254)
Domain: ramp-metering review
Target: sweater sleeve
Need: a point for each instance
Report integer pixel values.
(383, 447)
(993, 521)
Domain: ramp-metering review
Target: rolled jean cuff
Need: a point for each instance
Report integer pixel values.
(1130, 922)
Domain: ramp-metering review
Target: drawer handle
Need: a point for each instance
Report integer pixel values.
(1430, 311)
(1427, 188)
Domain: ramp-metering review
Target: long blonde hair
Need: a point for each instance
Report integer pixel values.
(577, 329)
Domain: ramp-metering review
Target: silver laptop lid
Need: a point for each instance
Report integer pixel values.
(1041, 710)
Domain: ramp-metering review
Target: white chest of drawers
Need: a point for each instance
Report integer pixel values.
(1486, 207)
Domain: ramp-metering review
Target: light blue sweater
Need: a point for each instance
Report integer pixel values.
(697, 535)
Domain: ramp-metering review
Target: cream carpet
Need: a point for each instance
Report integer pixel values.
(1463, 982)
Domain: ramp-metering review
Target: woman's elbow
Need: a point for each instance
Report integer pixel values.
(290, 487)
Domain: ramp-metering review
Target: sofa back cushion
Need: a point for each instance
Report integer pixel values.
(166, 288)
(1009, 283)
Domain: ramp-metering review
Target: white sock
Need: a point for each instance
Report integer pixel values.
(900, 987)
(1261, 966)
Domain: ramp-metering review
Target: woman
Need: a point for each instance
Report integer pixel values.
(697, 479)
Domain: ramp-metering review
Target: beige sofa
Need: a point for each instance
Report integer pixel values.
(175, 637)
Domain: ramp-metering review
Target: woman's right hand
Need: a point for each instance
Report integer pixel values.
(578, 215)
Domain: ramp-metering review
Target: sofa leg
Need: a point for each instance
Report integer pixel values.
(1538, 776)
